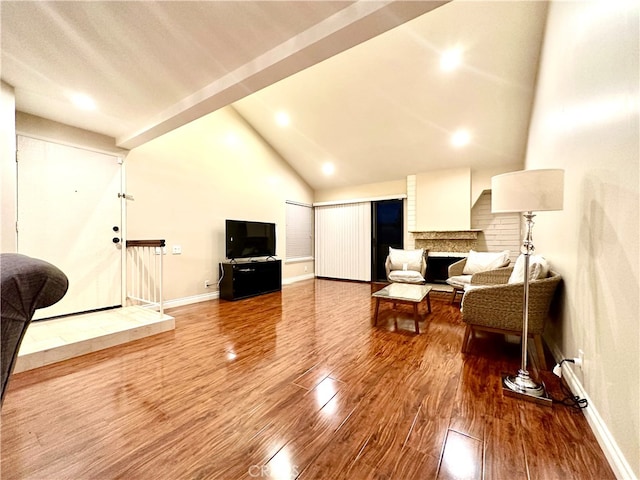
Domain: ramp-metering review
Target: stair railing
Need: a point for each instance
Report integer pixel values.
(144, 273)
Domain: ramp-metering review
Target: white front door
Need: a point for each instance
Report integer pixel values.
(69, 214)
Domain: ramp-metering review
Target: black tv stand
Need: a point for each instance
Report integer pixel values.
(248, 279)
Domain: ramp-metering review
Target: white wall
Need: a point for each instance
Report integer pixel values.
(481, 178)
(44, 129)
(586, 121)
(443, 200)
(500, 231)
(8, 184)
(188, 181)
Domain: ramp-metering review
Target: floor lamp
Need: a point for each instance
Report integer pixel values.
(526, 191)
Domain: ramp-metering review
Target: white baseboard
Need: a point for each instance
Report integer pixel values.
(615, 457)
(290, 280)
(179, 302)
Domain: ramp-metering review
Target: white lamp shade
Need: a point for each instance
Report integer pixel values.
(527, 191)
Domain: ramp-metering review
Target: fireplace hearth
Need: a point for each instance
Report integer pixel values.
(438, 267)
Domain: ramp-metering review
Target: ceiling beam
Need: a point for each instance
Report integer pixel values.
(354, 24)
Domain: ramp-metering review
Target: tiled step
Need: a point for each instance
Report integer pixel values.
(51, 341)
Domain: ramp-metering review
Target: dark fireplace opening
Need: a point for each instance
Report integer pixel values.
(438, 268)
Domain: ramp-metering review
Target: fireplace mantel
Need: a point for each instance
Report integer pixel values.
(447, 234)
(460, 241)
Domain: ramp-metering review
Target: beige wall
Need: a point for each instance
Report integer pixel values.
(8, 183)
(188, 181)
(443, 200)
(586, 121)
(370, 190)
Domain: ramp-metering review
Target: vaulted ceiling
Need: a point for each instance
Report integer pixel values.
(361, 82)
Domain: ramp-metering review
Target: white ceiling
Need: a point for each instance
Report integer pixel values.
(380, 110)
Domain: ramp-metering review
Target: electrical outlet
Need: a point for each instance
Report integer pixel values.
(305, 269)
(177, 250)
(207, 284)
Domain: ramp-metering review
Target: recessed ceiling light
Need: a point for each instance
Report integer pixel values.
(460, 138)
(451, 59)
(83, 102)
(328, 168)
(282, 119)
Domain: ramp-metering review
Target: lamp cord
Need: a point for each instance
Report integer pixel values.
(570, 400)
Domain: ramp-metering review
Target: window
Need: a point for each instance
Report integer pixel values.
(299, 231)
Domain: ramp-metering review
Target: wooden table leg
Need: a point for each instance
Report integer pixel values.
(429, 302)
(375, 317)
(415, 317)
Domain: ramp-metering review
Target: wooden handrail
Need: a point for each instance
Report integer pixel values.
(145, 243)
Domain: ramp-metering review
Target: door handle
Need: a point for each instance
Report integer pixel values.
(115, 240)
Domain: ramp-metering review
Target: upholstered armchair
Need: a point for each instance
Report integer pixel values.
(406, 266)
(27, 284)
(494, 305)
(461, 272)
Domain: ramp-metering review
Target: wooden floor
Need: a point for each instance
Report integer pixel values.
(290, 385)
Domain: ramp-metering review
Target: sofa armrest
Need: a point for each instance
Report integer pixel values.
(456, 268)
(26, 285)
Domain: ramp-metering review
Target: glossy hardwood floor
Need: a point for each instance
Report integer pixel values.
(296, 384)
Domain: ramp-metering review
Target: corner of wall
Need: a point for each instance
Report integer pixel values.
(8, 168)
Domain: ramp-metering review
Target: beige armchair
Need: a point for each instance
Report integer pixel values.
(497, 306)
(406, 266)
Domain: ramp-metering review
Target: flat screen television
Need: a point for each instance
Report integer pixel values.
(250, 239)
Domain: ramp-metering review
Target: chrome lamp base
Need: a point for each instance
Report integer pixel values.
(523, 387)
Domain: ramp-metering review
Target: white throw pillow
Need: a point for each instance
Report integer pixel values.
(483, 261)
(538, 268)
(406, 259)
(406, 276)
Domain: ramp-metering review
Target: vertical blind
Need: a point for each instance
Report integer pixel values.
(343, 241)
(299, 231)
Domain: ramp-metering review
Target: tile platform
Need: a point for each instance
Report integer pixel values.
(51, 341)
